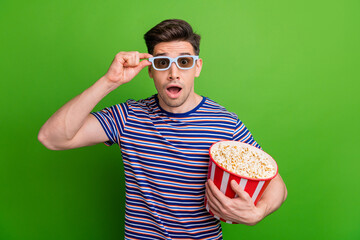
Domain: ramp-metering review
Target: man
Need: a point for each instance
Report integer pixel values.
(164, 141)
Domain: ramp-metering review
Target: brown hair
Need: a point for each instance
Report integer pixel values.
(172, 30)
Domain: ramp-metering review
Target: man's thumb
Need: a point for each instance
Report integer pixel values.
(141, 65)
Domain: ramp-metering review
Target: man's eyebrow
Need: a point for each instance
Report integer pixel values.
(186, 53)
(164, 54)
(160, 54)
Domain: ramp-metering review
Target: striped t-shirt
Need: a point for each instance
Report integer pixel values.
(166, 158)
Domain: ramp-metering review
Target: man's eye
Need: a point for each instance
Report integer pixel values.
(184, 61)
(163, 62)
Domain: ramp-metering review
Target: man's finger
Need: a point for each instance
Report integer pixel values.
(216, 192)
(215, 212)
(130, 60)
(140, 66)
(144, 63)
(145, 55)
(213, 202)
(136, 58)
(239, 191)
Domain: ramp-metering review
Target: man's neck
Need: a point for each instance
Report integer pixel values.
(187, 106)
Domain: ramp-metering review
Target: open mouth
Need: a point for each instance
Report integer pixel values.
(173, 91)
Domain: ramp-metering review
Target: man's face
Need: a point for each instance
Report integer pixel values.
(175, 86)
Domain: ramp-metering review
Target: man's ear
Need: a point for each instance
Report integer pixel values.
(198, 66)
(149, 71)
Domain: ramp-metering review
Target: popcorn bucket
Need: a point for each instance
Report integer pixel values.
(222, 178)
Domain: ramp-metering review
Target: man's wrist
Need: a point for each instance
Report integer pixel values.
(106, 85)
(262, 210)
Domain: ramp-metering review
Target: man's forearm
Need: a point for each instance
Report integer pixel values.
(274, 195)
(63, 126)
(66, 122)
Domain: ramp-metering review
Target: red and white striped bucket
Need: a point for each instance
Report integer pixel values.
(222, 178)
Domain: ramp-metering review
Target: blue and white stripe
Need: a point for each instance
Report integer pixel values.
(166, 159)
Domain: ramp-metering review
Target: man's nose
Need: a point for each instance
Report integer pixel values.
(173, 72)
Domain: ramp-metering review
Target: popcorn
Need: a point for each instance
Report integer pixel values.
(250, 167)
(243, 160)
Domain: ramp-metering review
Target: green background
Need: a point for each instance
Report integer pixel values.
(289, 69)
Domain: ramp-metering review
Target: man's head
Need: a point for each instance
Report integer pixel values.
(174, 38)
(172, 30)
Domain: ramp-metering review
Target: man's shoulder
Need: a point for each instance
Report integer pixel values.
(142, 104)
(214, 107)
(141, 101)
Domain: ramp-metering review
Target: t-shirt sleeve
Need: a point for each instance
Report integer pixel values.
(242, 134)
(113, 120)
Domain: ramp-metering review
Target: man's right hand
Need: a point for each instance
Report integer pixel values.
(73, 126)
(125, 66)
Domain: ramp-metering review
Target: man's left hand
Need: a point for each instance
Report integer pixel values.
(238, 210)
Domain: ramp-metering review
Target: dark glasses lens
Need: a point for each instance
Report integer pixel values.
(182, 62)
(185, 62)
(161, 63)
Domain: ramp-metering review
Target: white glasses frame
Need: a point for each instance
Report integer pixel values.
(173, 60)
